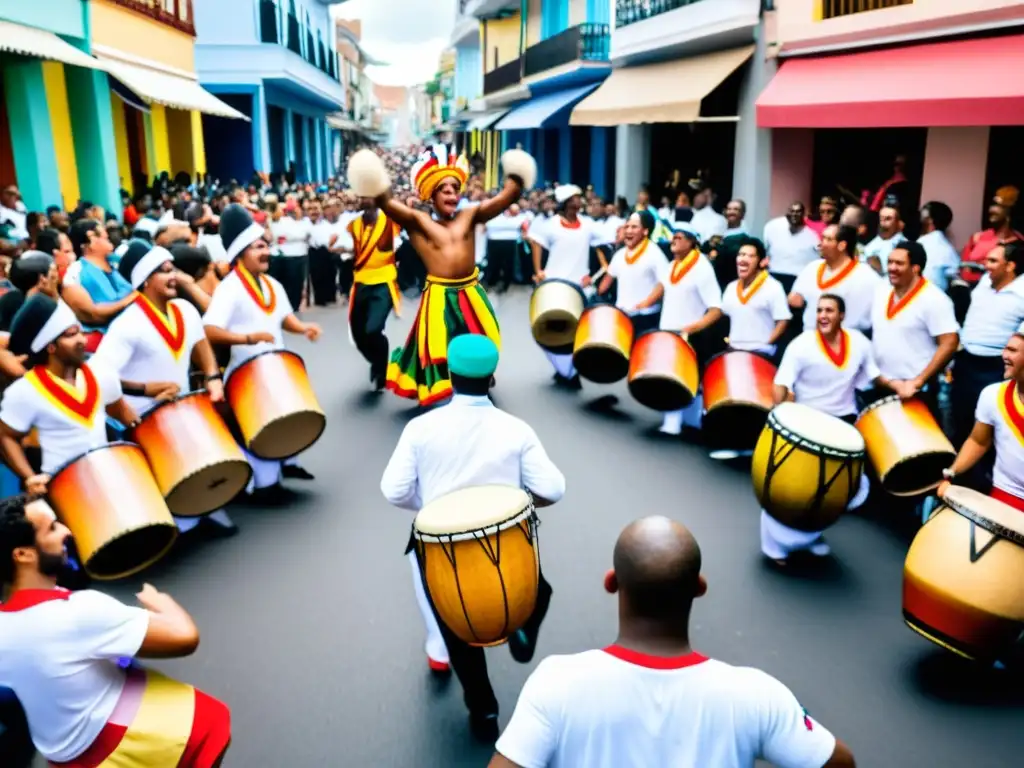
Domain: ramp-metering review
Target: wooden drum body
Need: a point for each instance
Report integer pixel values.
(277, 411)
(478, 553)
(197, 464)
(806, 466)
(905, 444)
(604, 341)
(737, 398)
(963, 580)
(555, 310)
(663, 371)
(109, 500)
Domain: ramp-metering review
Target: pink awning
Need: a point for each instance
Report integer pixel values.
(959, 83)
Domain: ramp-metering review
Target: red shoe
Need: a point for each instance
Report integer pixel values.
(440, 667)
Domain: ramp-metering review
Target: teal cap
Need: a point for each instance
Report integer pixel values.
(473, 356)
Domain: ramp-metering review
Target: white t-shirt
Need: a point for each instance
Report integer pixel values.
(505, 227)
(856, 287)
(341, 229)
(904, 344)
(708, 222)
(880, 248)
(789, 252)
(599, 710)
(993, 316)
(321, 233)
(751, 324)
(568, 247)
(637, 275)
(688, 295)
(292, 235)
(64, 433)
(993, 409)
(135, 349)
(234, 308)
(60, 659)
(943, 260)
(816, 380)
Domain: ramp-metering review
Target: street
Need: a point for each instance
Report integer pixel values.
(311, 634)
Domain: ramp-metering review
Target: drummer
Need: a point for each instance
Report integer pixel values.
(567, 238)
(999, 423)
(469, 443)
(840, 273)
(691, 304)
(755, 303)
(917, 333)
(822, 368)
(154, 342)
(62, 397)
(60, 653)
(636, 268)
(248, 312)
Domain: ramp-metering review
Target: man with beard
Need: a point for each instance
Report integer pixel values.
(890, 235)
(755, 303)
(453, 302)
(1000, 231)
(60, 654)
(637, 268)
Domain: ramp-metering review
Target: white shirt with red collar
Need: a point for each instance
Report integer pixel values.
(615, 707)
(1000, 408)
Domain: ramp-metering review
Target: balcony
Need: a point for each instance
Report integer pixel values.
(173, 13)
(833, 9)
(584, 42)
(631, 11)
(485, 9)
(505, 76)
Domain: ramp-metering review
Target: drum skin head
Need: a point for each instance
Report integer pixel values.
(472, 509)
(141, 547)
(288, 436)
(601, 364)
(818, 427)
(733, 426)
(209, 489)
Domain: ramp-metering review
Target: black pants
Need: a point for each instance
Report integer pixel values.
(345, 276)
(323, 276)
(500, 257)
(645, 322)
(371, 305)
(16, 749)
(291, 271)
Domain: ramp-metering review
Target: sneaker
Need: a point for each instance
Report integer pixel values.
(295, 472)
(484, 726)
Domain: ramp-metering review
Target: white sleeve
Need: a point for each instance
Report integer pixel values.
(615, 266)
(17, 410)
(73, 274)
(221, 307)
(663, 272)
(708, 288)
(193, 322)
(789, 737)
(540, 475)
(284, 305)
(109, 381)
(115, 349)
(598, 234)
(800, 285)
(986, 412)
(786, 376)
(106, 628)
(779, 304)
(940, 318)
(531, 736)
(400, 482)
(539, 233)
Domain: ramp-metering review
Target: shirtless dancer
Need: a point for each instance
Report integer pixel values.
(453, 302)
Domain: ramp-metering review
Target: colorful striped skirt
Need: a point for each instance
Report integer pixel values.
(449, 308)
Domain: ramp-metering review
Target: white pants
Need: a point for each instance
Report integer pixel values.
(562, 364)
(186, 524)
(672, 423)
(778, 541)
(436, 648)
(264, 473)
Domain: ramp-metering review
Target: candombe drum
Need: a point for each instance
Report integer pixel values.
(737, 398)
(555, 309)
(663, 371)
(274, 404)
(110, 501)
(478, 553)
(905, 445)
(604, 340)
(963, 580)
(197, 464)
(806, 466)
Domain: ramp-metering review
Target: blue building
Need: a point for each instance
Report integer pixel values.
(276, 62)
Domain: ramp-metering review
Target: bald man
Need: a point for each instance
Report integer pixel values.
(650, 699)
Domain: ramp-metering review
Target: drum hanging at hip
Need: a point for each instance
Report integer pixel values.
(478, 552)
(197, 464)
(905, 444)
(110, 501)
(604, 340)
(663, 371)
(806, 466)
(275, 406)
(963, 579)
(555, 309)
(737, 398)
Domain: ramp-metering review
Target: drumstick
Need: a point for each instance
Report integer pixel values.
(590, 290)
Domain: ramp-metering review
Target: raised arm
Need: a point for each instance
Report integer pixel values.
(407, 218)
(520, 174)
(369, 178)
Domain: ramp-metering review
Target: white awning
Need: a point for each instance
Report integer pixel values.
(170, 90)
(29, 41)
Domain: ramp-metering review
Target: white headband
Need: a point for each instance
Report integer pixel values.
(149, 264)
(62, 319)
(246, 237)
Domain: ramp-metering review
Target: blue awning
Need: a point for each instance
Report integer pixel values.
(551, 110)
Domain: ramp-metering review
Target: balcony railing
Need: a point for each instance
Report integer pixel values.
(631, 11)
(173, 13)
(584, 42)
(294, 41)
(503, 77)
(833, 9)
(268, 22)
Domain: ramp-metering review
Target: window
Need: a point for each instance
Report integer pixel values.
(833, 9)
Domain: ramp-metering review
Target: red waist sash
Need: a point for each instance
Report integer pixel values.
(1008, 498)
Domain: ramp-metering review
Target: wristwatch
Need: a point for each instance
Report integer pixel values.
(214, 377)
(949, 474)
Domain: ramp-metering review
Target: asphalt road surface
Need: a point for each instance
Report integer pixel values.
(311, 634)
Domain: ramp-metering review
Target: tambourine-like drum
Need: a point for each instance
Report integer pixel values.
(477, 550)
(663, 371)
(905, 444)
(555, 310)
(197, 464)
(737, 398)
(116, 513)
(604, 340)
(963, 580)
(806, 466)
(274, 404)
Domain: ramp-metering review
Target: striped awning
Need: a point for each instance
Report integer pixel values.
(29, 41)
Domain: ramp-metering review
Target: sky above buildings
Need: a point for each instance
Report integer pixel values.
(407, 34)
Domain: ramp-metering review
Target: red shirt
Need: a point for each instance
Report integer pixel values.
(978, 248)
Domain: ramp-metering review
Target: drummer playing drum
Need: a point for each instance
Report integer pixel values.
(636, 268)
(755, 303)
